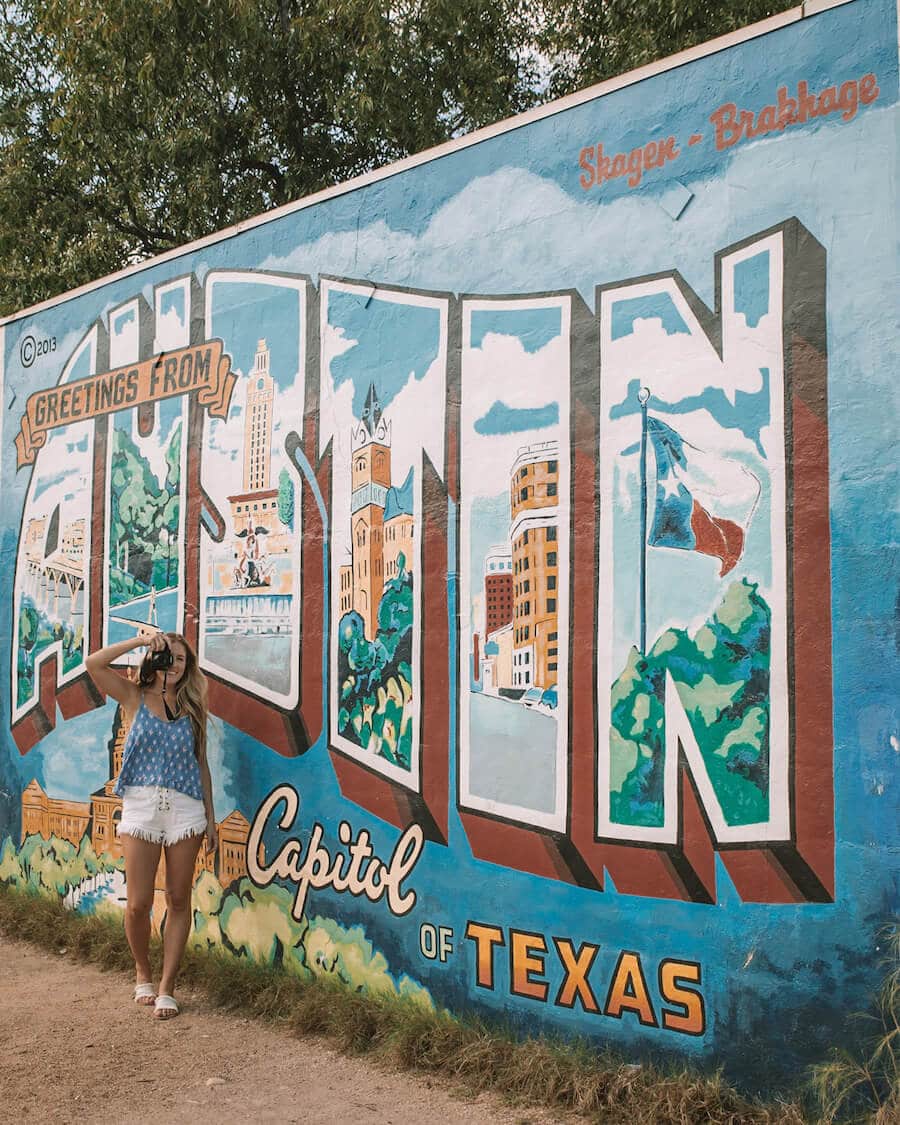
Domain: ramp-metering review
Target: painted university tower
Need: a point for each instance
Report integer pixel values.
(381, 518)
(254, 510)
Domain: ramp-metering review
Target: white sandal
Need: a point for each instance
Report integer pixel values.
(167, 1004)
(144, 993)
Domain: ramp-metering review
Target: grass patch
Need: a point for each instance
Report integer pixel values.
(468, 1052)
(853, 1089)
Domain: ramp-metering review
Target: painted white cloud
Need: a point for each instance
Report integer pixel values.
(123, 337)
(223, 449)
(287, 413)
(78, 764)
(58, 458)
(335, 342)
(420, 399)
(502, 369)
(171, 331)
(514, 231)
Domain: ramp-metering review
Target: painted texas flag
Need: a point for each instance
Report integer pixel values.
(704, 502)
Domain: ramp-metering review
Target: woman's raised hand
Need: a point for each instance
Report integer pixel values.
(153, 638)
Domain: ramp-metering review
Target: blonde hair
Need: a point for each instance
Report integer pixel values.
(190, 692)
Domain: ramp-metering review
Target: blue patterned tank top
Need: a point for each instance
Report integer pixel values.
(158, 752)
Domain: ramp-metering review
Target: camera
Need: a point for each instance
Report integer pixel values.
(162, 660)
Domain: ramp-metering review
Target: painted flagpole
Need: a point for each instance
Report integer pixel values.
(643, 398)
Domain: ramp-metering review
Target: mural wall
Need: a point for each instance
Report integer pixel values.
(528, 509)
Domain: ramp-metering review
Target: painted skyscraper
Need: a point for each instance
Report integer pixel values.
(258, 422)
(534, 507)
(255, 509)
(498, 588)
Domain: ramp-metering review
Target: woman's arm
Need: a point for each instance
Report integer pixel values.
(212, 835)
(111, 682)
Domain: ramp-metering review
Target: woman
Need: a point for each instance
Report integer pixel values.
(166, 796)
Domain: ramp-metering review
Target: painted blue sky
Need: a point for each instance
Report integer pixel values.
(751, 288)
(503, 419)
(121, 321)
(72, 761)
(49, 481)
(392, 340)
(81, 368)
(657, 306)
(535, 328)
(172, 300)
(749, 413)
(245, 312)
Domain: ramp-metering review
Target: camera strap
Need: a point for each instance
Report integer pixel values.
(169, 712)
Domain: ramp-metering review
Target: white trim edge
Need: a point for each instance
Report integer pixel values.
(813, 7)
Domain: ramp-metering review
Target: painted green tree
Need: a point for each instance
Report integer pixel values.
(29, 624)
(53, 866)
(144, 517)
(375, 677)
(722, 678)
(10, 868)
(36, 632)
(286, 499)
(167, 542)
(255, 924)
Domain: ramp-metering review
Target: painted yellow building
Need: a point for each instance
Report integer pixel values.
(106, 807)
(534, 508)
(228, 862)
(52, 816)
(72, 543)
(234, 832)
(47, 816)
(345, 577)
(34, 539)
(398, 539)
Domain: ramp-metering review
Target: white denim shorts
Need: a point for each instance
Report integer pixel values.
(160, 815)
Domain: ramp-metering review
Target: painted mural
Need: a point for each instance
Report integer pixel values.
(384, 356)
(250, 578)
(52, 594)
(146, 449)
(695, 550)
(514, 549)
(519, 504)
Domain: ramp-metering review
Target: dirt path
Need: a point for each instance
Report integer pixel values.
(75, 1048)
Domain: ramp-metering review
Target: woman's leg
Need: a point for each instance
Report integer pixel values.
(141, 862)
(180, 860)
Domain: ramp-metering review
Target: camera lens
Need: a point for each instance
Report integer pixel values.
(161, 660)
